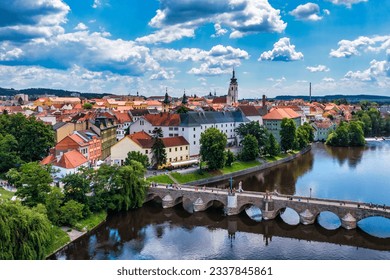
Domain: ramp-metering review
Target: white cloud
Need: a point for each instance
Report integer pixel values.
(318, 68)
(218, 60)
(376, 70)
(328, 80)
(347, 3)
(81, 26)
(308, 11)
(75, 78)
(163, 75)
(349, 48)
(282, 51)
(219, 31)
(178, 19)
(27, 19)
(100, 3)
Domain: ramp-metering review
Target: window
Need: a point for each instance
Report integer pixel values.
(186, 148)
(194, 142)
(146, 151)
(182, 129)
(171, 128)
(176, 128)
(194, 128)
(181, 148)
(181, 158)
(176, 149)
(170, 134)
(194, 136)
(141, 122)
(170, 150)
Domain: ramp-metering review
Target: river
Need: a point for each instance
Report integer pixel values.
(359, 174)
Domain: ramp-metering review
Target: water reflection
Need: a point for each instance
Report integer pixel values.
(352, 155)
(211, 235)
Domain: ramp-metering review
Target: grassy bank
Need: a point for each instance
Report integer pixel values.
(6, 195)
(89, 223)
(161, 179)
(61, 238)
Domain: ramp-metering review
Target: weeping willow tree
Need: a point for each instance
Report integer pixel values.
(25, 234)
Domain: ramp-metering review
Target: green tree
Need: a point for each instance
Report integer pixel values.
(129, 188)
(87, 106)
(54, 200)
(287, 134)
(32, 182)
(212, 148)
(255, 129)
(182, 110)
(137, 156)
(302, 137)
(8, 152)
(356, 134)
(229, 158)
(339, 137)
(25, 234)
(33, 136)
(273, 147)
(71, 213)
(250, 148)
(158, 149)
(310, 131)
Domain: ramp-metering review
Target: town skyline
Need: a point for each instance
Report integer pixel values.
(125, 47)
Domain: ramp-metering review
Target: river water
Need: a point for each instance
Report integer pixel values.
(359, 174)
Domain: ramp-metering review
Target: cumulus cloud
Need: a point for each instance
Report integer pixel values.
(218, 60)
(100, 3)
(328, 80)
(243, 17)
(376, 70)
(347, 3)
(283, 51)
(319, 68)
(94, 51)
(349, 48)
(163, 75)
(219, 31)
(308, 11)
(81, 26)
(26, 19)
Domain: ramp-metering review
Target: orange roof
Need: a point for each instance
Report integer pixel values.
(174, 141)
(163, 119)
(281, 113)
(78, 140)
(220, 100)
(71, 159)
(47, 160)
(249, 110)
(122, 117)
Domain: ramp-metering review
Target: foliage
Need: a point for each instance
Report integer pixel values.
(310, 131)
(54, 200)
(302, 137)
(91, 222)
(255, 129)
(32, 182)
(229, 158)
(71, 212)
(129, 187)
(182, 110)
(287, 134)
(158, 149)
(347, 135)
(34, 138)
(137, 156)
(250, 148)
(273, 147)
(87, 106)
(212, 148)
(8, 152)
(24, 233)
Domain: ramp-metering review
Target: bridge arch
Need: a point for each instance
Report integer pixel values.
(329, 220)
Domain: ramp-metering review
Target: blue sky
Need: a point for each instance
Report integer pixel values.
(124, 46)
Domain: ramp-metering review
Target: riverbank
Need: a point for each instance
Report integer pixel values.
(237, 169)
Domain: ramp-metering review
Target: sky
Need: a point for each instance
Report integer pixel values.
(276, 47)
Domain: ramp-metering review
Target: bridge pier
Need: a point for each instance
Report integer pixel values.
(199, 205)
(167, 201)
(306, 217)
(231, 208)
(268, 212)
(348, 221)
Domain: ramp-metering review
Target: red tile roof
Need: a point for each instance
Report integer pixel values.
(220, 100)
(163, 119)
(122, 117)
(49, 159)
(281, 113)
(249, 110)
(174, 141)
(71, 159)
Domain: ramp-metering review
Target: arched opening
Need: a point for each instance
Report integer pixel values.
(289, 216)
(375, 226)
(329, 220)
(188, 205)
(254, 213)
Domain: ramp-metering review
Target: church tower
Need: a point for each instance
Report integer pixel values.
(232, 96)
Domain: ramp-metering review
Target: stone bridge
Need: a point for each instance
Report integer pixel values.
(270, 204)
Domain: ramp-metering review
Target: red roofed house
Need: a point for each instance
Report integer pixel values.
(169, 124)
(176, 148)
(67, 163)
(273, 120)
(123, 120)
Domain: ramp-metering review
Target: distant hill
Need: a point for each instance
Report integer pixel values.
(36, 92)
(328, 98)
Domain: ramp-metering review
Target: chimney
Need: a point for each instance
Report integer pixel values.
(310, 92)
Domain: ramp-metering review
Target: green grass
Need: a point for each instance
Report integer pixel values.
(6, 195)
(240, 165)
(60, 239)
(91, 222)
(161, 179)
(193, 176)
